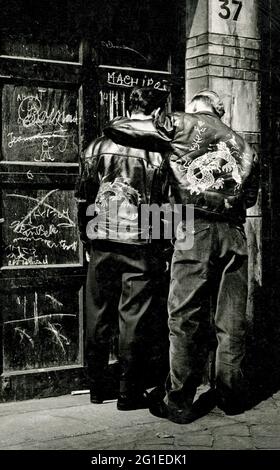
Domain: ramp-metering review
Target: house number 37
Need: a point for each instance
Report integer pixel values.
(230, 9)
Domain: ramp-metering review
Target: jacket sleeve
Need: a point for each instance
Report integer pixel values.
(85, 191)
(251, 187)
(152, 135)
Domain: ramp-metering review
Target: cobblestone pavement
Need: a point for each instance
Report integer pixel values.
(71, 422)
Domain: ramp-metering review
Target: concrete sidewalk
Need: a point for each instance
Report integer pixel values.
(71, 422)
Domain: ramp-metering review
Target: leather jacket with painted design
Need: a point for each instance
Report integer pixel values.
(116, 181)
(210, 165)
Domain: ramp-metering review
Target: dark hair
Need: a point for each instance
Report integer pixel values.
(212, 99)
(146, 100)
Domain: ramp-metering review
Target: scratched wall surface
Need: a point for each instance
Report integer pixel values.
(114, 95)
(132, 35)
(39, 124)
(41, 29)
(41, 329)
(40, 227)
(126, 33)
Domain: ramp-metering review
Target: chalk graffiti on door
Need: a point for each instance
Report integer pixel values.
(40, 125)
(38, 231)
(43, 329)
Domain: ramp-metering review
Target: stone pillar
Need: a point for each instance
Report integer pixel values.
(222, 53)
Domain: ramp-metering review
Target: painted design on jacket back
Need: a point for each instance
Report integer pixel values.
(200, 173)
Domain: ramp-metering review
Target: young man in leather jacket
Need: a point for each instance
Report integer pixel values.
(214, 169)
(125, 265)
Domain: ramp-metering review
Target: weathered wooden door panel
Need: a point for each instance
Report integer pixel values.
(42, 271)
(40, 227)
(41, 328)
(39, 124)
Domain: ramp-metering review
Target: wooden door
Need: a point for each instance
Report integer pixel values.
(43, 88)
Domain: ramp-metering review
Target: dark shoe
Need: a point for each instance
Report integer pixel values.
(234, 402)
(127, 401)
(182, 416)
(156, 395)
(96, 397)
(205, 403)
(157, 406)
(232, 409)
(161, 410)
(233, 406)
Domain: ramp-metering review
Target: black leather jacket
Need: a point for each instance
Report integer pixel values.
(117, 180)
(210, 166)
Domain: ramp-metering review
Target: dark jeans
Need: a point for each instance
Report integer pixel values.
(121, 285)
(215, 266)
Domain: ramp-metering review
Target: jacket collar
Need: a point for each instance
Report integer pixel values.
(208, 113)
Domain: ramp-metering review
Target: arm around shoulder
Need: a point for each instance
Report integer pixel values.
(146, 134)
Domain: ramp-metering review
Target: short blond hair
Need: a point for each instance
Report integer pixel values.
(211, 98)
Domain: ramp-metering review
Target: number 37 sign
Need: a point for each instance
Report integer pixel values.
(230, 9)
